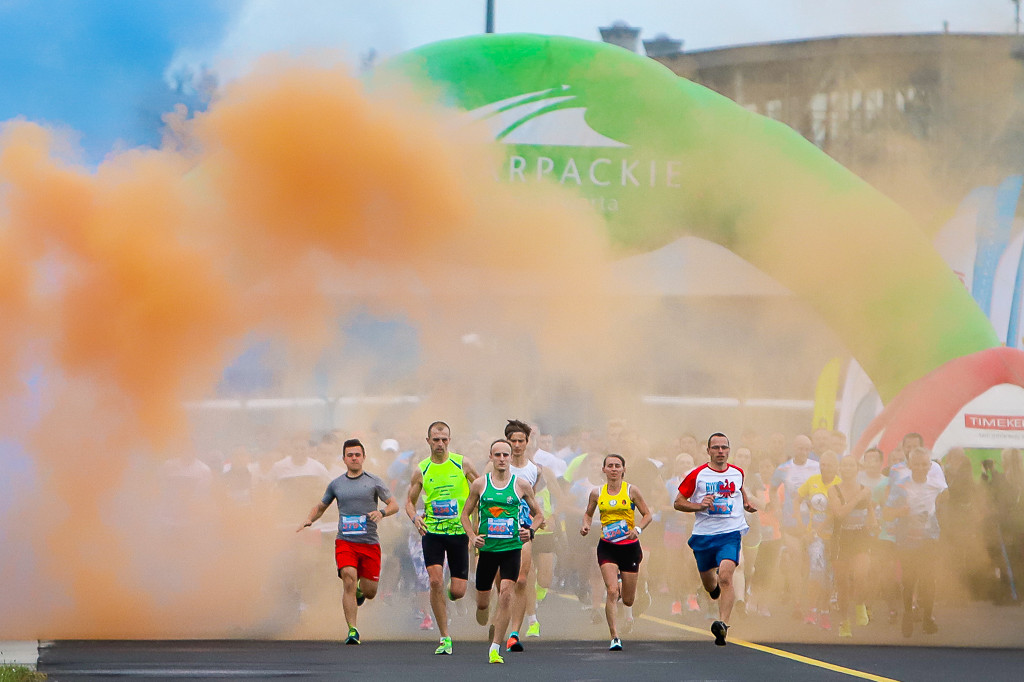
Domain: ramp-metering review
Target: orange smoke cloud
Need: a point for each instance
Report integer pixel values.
(134, 283)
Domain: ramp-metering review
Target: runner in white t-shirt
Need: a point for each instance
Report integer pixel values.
(714, 492)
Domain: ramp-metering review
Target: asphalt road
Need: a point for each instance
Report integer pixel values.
(82, 661)
(974, 642)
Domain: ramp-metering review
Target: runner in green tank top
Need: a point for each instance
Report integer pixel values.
(498, 536)
(443, 479)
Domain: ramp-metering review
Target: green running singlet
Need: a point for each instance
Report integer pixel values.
(445, 490)
(499, 517)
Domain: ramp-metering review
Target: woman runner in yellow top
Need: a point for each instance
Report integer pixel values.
(618, 551)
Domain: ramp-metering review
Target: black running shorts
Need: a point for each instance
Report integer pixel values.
(456, 547)
(626, 555)
(489, 564)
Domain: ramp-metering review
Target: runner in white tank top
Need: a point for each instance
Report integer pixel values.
(524, 597)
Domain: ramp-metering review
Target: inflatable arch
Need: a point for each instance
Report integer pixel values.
(661, 157)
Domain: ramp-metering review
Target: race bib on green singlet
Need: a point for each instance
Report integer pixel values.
(501, 528)
(444, 509)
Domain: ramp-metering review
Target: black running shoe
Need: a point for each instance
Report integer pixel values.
(718, 629)
(360, 597)
(715, 593)
(513, 643)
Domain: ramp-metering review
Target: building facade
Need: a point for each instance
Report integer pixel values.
(922, 117)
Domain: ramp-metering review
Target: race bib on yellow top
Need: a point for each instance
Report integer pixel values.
(501, 528)
(445, 509)
(615, 531)
(353, 525)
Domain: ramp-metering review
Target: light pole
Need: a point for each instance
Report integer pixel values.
(489, 21)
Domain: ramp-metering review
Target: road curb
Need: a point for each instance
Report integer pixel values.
(20, 653)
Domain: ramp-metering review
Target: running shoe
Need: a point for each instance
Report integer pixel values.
(542, 592)
(616, 645)
(677, 608)
(627, 625)
(534, 629)
(929, 626)
(691, 603)
(715, 593)
(494, 657)
(448, 591)
(481, 616)
(862, 615)
(353, 636)
(718, 629)
(513, 643)
(845, 630)
(445, 647)
(811, 618)
(427, 623)
(360, 597)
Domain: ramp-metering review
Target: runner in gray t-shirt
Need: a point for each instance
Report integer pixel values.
(357, 497)
(356, 549)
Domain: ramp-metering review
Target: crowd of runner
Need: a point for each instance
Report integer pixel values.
(761, 527)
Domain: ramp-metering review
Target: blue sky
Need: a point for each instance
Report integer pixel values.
(105, 68)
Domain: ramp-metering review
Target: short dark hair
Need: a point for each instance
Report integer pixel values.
(517, 426)
(353, 443)
(433, 424)
(912, 434)
(618, 457)
(716, 435)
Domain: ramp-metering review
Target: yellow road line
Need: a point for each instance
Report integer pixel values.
(768, 650)
(778, 652)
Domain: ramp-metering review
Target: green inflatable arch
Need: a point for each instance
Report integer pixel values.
(661, 157)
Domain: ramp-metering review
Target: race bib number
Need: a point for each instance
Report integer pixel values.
(615, 531)
(445, 509)
(353, 525)
(501, 529)
(720, 507)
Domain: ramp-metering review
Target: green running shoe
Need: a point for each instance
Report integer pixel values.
(445, 647)
(353, 636)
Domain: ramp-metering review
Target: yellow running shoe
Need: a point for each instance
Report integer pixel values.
(494, 657)
(862, 615)
(534, 629)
